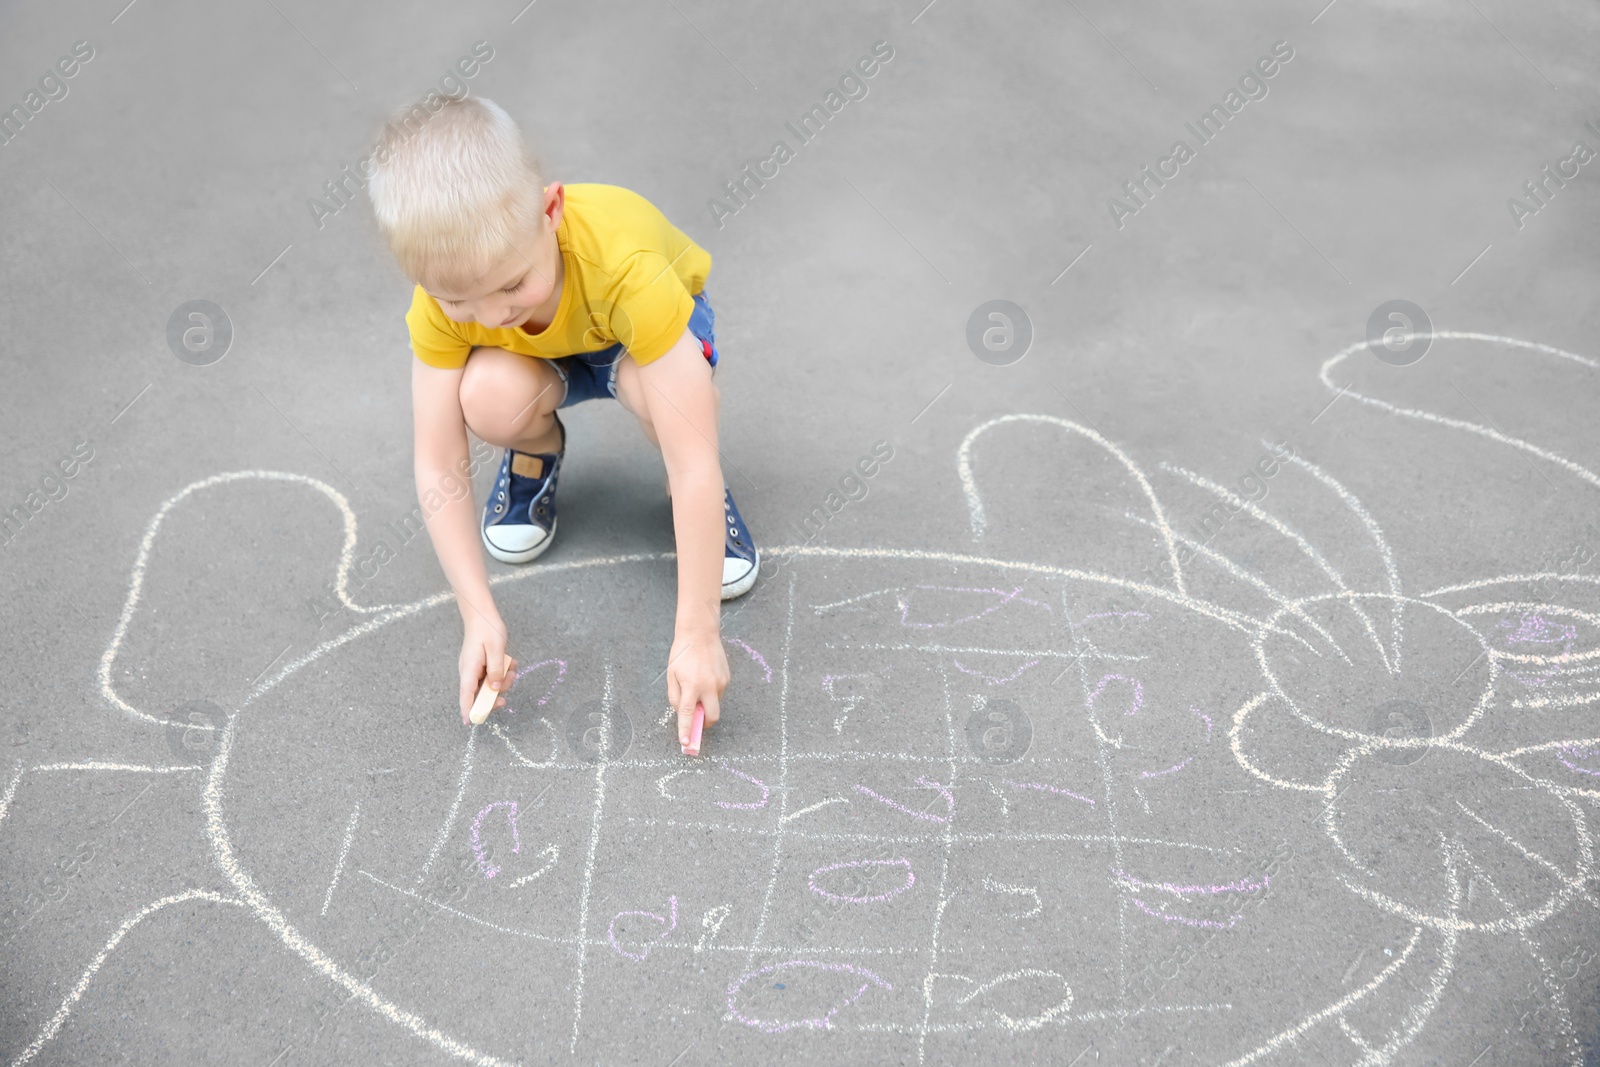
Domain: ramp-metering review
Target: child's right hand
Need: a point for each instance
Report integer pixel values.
(484, 648)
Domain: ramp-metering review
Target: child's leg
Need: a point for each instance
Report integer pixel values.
(510, 400)
(630, 394)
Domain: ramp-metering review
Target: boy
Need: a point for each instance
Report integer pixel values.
(531, 298)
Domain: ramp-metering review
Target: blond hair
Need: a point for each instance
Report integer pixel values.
(454, 187)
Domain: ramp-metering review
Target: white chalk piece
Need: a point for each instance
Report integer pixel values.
(485, 702)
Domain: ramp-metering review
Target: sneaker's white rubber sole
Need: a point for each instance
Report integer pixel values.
(525, 556)
(743, 585)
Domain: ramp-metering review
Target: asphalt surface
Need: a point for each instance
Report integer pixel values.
(1199, 681)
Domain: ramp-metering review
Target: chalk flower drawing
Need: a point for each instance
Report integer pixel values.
(1267, 688)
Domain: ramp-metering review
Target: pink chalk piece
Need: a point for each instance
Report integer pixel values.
(696, 728)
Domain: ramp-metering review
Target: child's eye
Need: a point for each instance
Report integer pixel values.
(513, 289)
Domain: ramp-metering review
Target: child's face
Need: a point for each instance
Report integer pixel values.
(509, 292)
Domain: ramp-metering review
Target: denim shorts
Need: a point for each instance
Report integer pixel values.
(591, 375)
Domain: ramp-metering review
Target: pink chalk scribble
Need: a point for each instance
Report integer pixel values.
(1174, 769)
(767, 676)
(1006, 598)
(1241, 886)
(766, 793)
(819, 1022)
(561, 672)
(1106, 679)
(837, 898)
(1203, 718)
(669, 923)
(994, 679)
(1204, 924)
(944, 791)
(477, 839)
(1580, 752)
(1043, 788)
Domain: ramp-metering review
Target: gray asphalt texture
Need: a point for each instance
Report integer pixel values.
(1004, 774)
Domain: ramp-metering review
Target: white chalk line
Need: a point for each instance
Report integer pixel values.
(975, 504)
(813, 807)
(521, 760)
(1353, 502)
(970, 837)
(943, 900)
(1239, 503)
(1062, 1019)
(53, 1027)
(607, 698)
(1338, 1007)
(1109, 807)
(455, 805)
(344, 854)
(1461, 424)
(1547, 973)
(1482, 706)
(222, 853)
(1271, 592)
(783, 786)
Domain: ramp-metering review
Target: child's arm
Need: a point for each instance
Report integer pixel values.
(683, 409)
(445, 492)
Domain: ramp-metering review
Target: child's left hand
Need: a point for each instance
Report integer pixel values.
(697, 672)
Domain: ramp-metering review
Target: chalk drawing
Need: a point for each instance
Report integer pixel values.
(554, 852)
(874, 898)
(668, 923)
(1290, 646)
(820, 1022)
(489, 870)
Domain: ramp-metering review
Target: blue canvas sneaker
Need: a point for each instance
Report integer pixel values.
(519, 518)
(740, 560)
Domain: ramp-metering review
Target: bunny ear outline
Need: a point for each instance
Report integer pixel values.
(979, 516)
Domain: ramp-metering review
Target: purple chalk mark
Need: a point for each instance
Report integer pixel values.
(905, 609)
(668, 924)
(994, 679)
(766, 792)
(1241, 886)
(1581, 753)
(820, 1022)
(944, 791)
(1203, 718)
(477, 840)
(1048, 789)
(1535, 629)
(853, 864)
(1138, 691)
(1204, 924)
(753, 655)
(561, 672)
(1176, 767)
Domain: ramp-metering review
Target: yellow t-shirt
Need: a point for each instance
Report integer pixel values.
(630, 277)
